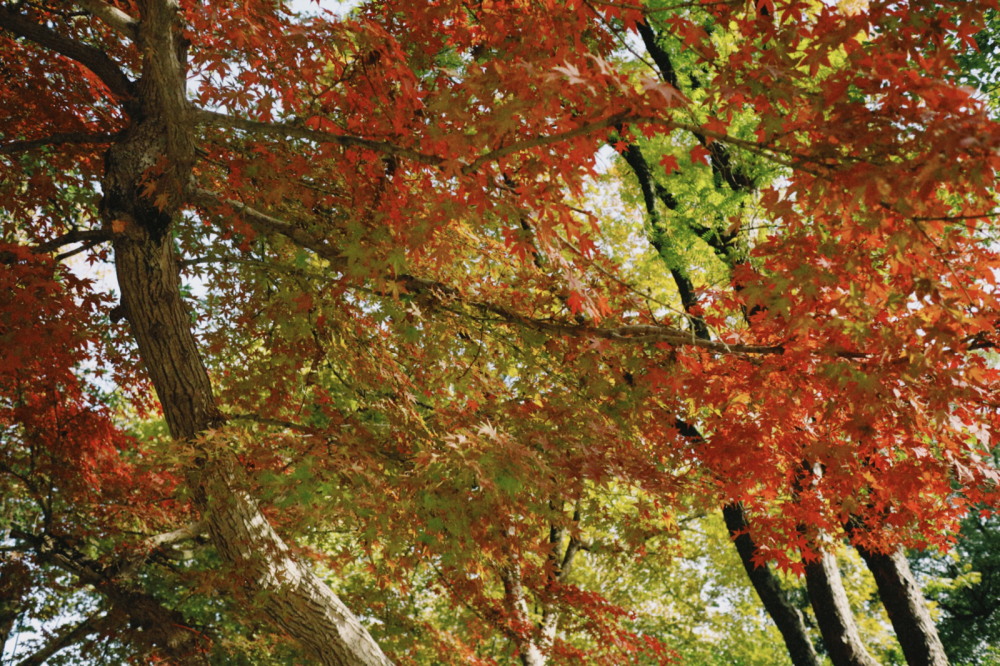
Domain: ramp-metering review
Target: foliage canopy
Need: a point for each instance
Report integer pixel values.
(396, 370)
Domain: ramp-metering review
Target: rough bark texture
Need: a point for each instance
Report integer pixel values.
(907, 610)
(833, 613)
(289, 593)
(786, 616)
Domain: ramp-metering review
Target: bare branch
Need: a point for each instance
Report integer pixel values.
(83, 248)
(91, 236)
(78, 138)
(92, 58)
(113, 16)
(185, 533)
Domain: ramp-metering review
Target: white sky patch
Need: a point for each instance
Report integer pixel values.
(313, 7)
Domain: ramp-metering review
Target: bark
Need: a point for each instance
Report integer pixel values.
(112, 16)
(517, 605)
(786, 616)
(907, 610)
(833, 613)
(287, 592)
(291, 595)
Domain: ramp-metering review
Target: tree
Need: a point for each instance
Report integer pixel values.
(389, 329)
(962, 584)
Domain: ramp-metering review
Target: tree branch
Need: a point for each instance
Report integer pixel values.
(92, 58)
(78, 138)
(650, 191)
(583, 130)
(274, 423)
(214, 119)
(441, 293)
(113, 16)
(162, 628)
(185, 533)
(93, 236)
(517, 604)
(65, 638)
(656, 52)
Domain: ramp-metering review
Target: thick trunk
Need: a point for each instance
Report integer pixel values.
(833, 613)
(295, 599)
(288, 592)
(786, 616)
(904, 603)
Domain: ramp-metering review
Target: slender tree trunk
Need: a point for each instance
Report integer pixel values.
(907, 610)
(833, 613)
(786, 616)
(517, 605)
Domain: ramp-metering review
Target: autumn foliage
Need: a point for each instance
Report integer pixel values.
(429, 356)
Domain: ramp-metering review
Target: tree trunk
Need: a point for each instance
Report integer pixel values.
(517, 606)
(293, 597)
(904, 603)
(786, 616)
(289, 593)
(833, 613)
